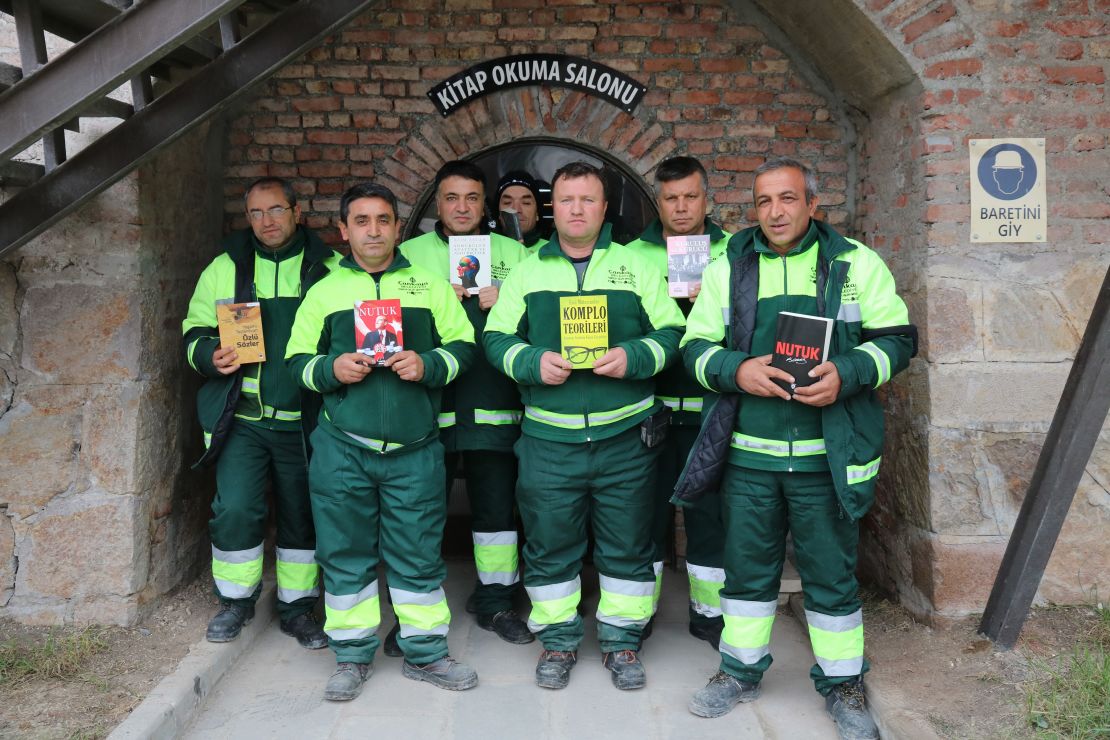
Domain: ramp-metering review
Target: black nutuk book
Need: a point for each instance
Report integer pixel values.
(801, 344)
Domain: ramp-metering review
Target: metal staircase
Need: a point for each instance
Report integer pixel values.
(207, 52)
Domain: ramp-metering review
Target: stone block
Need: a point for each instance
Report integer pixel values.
(41, 439)
(956, 574)
(9, 313)
(1025, 324)
(108, 443)
(7, 558)
(955, 320)
(996, 396)
(83, 547)
(85, 333)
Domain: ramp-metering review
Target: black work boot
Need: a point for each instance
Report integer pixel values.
(721, 694)
(626, 669)
(228, 622)
(847, 705)
(446, 673)
(506, 625)
(304, 628)
(346, 683)
(709, 630)
(553, 669)
(390, 646)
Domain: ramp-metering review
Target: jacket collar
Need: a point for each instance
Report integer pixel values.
(830, 243)
(653, 234)
(399, 263)
(554, 249)
(483, 229)
(239, 245)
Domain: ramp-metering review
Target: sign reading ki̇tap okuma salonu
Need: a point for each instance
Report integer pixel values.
(1008, 190)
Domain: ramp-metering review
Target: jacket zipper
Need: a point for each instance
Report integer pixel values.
(786, 406)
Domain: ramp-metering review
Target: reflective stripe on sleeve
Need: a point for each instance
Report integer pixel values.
(882, 362)
(699, 366)
(450, 361)
(657, 353)
(865, 472)
(306, 374)
(510, 357)
(446, 419)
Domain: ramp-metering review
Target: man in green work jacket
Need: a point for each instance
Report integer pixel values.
(802, 460)
(252, 416)
(581, 452)
(376, 476)
(682, 196)
(480, 420)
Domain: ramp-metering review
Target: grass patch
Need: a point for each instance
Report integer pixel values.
(1070, 696)
(59, 655)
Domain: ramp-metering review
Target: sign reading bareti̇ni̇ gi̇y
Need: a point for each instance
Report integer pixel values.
(558, 70)
(1008, 190)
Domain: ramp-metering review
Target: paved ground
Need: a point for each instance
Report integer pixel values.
(275, 689)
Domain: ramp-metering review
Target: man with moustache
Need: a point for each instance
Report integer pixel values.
(804, 462)
(681, 194)
(580, 451)
(252, 415)
(480, 420)
(376, 476)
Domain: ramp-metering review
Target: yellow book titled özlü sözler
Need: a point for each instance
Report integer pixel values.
(241, 329)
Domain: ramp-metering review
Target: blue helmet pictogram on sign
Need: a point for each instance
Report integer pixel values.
(1007, 172)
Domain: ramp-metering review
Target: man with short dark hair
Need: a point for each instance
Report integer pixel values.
(581, 453)
(376, 474)
(803, 461)
(481, 412)
(252, 415)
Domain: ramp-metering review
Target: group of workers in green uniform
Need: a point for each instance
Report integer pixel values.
(360, 455)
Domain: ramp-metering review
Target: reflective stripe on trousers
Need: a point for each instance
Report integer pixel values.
(297, 574)
(625, 603)
(747, 632)
(555, 603)
(495, 557)
(352, 616)
(237, 572)
(837, 642)
(421, 613)
(705, 589)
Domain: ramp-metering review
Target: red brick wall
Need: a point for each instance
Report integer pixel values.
(356, 107)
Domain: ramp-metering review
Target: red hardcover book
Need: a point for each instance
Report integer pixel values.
(378, 329)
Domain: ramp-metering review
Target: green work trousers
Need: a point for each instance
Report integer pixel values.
(370, 507)
(705, 532)
(490, 486)
(253, 459)
(759, 508)
(559, 488)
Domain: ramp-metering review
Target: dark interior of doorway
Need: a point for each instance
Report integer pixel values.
(631, 204)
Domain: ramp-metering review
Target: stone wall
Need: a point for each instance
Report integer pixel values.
(98, 514)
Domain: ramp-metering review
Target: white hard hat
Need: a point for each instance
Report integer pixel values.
(1007, 159)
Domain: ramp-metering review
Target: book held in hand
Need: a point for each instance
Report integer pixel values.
(687, 257)
(378, 329)
(470, 260)
(240, 327)
(583, 329)
(510, 222)
(801, 344)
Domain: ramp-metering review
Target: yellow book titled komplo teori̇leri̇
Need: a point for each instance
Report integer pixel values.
(241, 329)
(583, 328)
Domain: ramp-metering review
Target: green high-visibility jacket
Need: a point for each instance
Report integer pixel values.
(381, 412)
(525, 323)
(259, 393)
(482, 409)
(872, 340)
(675, 387)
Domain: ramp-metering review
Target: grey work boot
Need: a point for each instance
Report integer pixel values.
(228, 622)
(626, 669)
(446, 673)
(346, 683)
(553, 669)
(847, 705)
(721, 694)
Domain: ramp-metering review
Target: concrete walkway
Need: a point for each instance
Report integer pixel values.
(275, 689)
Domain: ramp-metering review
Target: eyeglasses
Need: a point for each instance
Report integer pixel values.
(578, 355)
(274, 213)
